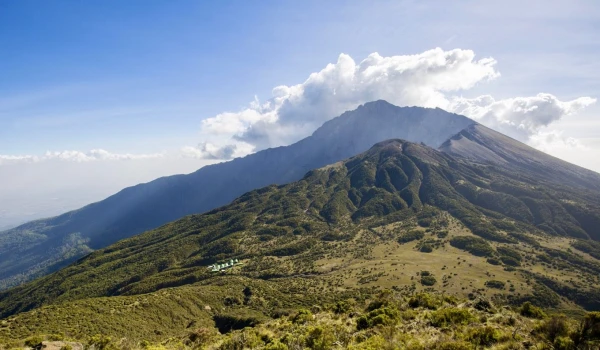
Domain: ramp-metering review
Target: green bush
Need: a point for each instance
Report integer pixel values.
(554, 327)
(101, 342)
(506, 251)
(509, 260)
(453, 345)
(494, 261)
(302, 316)
(228, 322)
(531, 311)
(474, 245)
(495, 284)
(589, 330)
(428, 280)
(201, 336)
(385, 316)
(424, 222)
(484, 336)
(34, 341)
(424, 300)
(426, 248)
(450, 316)
(342, 307)
(276, 345)
(320, 338)
(410, 236)
(563, 343)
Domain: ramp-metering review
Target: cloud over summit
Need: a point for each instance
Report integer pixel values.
(428, 79)
(294, 112)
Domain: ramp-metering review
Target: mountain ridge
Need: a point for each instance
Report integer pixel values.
(40, 247)
(387, 195)
(43, 246)
(479, 143)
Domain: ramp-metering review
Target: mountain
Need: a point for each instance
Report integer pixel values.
(39, 247)
(481, 144)
(401, 215)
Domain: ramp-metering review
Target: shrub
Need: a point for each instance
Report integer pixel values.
(483, 305)
(101, 342)
(484, 336)
(424, 222)
(474, 245)
(442, 234)
(428, 280)
(202, 336)
(227, 323)
(241, 340)
(531, 311)
(509, 260)
(554, 327)
(506, 251)
(410, 236)
(56, 337)
(563, 343)
(384, 316)
(34, 341)
(342, 307)
(453, 345)
(494, 261)
(320, 338)
(589, 330)
(302, 316)
(232, 300)
(495, 284)
(276, 345)
(450, 316)
(426, 248)
(423, 300)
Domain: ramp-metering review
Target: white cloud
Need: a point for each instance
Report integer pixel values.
(553, 141)
(523, 118)
(207, 150)
(77, 156)
(296, 111)
(429, 79)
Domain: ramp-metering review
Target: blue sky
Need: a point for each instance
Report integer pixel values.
(139, 77)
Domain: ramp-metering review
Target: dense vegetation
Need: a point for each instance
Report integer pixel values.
(384, 320)
(398, 216)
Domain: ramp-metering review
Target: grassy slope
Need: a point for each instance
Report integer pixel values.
(336, 231)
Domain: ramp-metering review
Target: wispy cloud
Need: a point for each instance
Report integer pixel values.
(77, 156)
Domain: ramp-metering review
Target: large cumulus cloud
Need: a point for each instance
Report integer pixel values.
(429, 79)
(296, 111)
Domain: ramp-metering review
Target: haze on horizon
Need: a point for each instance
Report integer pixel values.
(95, 98)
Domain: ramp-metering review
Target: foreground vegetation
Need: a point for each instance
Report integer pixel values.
(387, 320)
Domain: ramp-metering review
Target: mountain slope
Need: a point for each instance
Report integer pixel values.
(342, 223)
(39, 247)
(479, 143)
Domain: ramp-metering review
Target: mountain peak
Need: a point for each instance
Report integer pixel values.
(479, 143)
